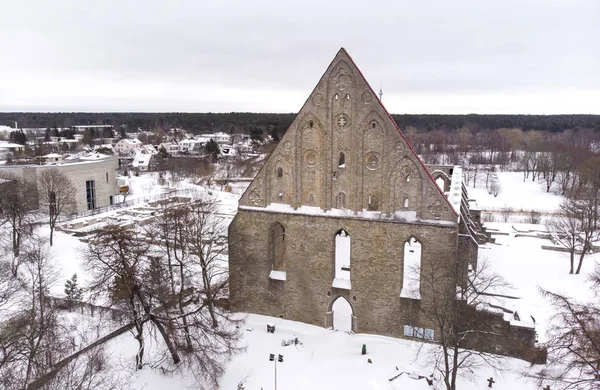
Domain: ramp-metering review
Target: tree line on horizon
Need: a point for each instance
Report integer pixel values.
(276, 124)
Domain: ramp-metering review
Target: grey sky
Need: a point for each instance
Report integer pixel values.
(461, 56)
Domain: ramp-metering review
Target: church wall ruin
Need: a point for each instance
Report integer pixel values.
(376, 273)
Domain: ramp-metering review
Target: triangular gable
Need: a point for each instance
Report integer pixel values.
(344, 151)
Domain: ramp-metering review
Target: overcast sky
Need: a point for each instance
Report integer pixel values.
(460, 56)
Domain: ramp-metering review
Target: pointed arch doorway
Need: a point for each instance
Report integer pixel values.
(341, 315)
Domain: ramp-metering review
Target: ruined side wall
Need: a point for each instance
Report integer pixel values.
(377, 249)
(498, 336)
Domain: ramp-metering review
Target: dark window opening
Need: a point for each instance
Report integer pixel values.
(90, 194)
(279, 172)
(342, 160)
(373, 204)
(278, 246)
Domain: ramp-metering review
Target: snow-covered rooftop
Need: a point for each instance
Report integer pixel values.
(401, 216)
(455, 193)
(10, 145)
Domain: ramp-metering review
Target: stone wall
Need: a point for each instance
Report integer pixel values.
(344, 151)
(344, 165)
(496, 335)
(307, 295)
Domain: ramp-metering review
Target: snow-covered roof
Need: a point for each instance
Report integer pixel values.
(132, 141)
(455, 193)
(93, 156)
(312, 210)
(10, 145)
(52, 155)
(141, 159)
(473, 205)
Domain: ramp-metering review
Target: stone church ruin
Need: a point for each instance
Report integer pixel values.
(344, 209)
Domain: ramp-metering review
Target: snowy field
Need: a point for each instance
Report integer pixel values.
(516, 194)
(331, 359)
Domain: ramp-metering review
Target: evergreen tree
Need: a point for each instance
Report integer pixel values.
(18, 137)
(212, 148)
(163, 152)
(72, 290)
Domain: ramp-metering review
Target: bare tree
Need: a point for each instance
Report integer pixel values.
(506, 212)
(30, 339)
(40, 335)
(115, 259)
(89, 371)
(194, 238)
(57, 193)
(10, 302)
(494, 188)
(450, 293)
(582, 208)
(564, 230)
(573, 343)
(17, 203)
(168, 297)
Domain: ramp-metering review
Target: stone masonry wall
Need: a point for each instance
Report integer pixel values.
(307, 295)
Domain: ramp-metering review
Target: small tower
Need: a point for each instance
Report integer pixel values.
(380, 93)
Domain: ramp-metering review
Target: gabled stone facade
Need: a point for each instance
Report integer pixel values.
(338, 210)
(344, 151)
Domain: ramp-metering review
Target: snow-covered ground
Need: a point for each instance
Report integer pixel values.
(331, 359)
(516, 194)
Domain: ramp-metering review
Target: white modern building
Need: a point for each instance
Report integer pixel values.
(92, 175)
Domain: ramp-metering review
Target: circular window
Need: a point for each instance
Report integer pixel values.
(343, 121)
(310, 158)
(372, 161)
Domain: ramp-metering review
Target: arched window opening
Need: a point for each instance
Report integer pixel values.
(407, 178)
(342, 260)
(441, 183)
(342, 160)
(277, 238)
(347, 96)
(336, 97)
(311, 124)
(373, 124)
(342, 315)
(279, 172)
(340, 201)
(405, 203)
(411, 278)
(373, 203)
